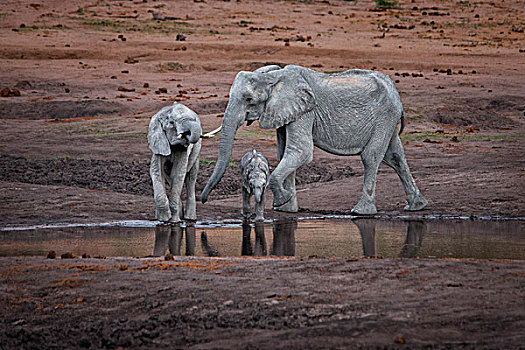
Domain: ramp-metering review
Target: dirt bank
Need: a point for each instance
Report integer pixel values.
(90, 76)
(261, 303)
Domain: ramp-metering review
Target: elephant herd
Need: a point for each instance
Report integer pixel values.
(355, 112)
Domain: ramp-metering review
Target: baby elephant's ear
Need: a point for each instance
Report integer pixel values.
(157, 141)
(290, 97)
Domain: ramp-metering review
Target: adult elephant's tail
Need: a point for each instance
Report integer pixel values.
(402, 126)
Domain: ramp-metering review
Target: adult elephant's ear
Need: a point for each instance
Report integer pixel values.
(157, 141)
(290, 97)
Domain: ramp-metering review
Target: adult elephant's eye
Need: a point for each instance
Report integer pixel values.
(249, 99)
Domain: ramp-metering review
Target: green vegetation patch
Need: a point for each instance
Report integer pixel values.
(258, 134)
(208, 162)
(386, 4)
(169, 67)
(145, 26)
(100, 129)
(433, 136)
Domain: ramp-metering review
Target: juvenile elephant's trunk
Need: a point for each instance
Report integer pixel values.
(194, 130)
(229, 128)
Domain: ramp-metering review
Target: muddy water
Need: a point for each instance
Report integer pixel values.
(316, 237)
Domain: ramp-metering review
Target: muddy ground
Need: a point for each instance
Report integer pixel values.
(81, 79)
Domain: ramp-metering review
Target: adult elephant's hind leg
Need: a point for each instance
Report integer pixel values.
(371, 157)
(367, 203)
(395, 158)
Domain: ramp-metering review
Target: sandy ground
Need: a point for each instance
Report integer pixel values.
(90, 74)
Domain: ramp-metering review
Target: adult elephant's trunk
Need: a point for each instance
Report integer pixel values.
(231, 122)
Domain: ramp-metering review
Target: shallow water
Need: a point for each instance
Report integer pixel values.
(346, 238)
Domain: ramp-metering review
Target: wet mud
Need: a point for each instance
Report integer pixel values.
(261, 303)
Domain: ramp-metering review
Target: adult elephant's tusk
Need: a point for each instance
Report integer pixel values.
(179, 136)
(211, 133)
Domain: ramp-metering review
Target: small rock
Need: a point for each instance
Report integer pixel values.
(131, 60)
(7, 92)
(51, 254)
(124, 89)
(68, 255)
(168, 257)
(180, 37)
(146, 85)
(400, 340)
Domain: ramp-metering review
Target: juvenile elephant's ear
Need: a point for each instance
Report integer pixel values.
(157, 141)
(290, 97)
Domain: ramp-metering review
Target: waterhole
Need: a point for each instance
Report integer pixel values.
(346, 238)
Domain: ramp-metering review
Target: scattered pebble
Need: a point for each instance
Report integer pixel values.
(7, 92)
(68, 255)
(131, 60)
(124, 89)
(51, 254)
(400, 340)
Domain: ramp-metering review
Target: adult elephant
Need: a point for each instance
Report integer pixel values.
(349, 113)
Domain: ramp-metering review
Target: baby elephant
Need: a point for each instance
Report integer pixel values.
(174, 138)
(255, 172)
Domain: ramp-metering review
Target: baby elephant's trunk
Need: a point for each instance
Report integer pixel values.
(257, 191)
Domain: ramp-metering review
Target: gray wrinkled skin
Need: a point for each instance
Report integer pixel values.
(174, 138)
(354, 112)
(254, 172)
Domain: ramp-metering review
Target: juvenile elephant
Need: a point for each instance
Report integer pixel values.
(174, 138)
(354, 112)
(255, 172)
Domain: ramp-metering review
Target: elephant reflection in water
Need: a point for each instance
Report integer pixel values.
(170, 237)
(414, 236)
(283, 243)
(259, 249)
(283, 239)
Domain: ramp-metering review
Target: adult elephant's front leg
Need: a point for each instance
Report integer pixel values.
(162, 206)
(289, 183)
(298, 151)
